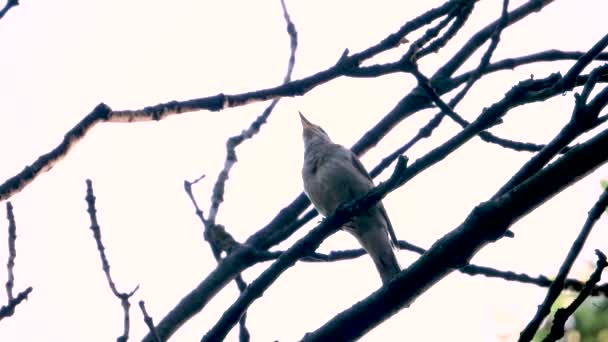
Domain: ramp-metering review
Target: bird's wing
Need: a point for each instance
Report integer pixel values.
(391, 232)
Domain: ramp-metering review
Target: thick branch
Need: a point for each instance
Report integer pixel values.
(301, 248)
(9, 4)
(486, 223)
(283, 224)
(417, 100)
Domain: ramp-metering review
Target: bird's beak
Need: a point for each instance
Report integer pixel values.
(305, 122)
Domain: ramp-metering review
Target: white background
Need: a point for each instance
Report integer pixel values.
(61, 58)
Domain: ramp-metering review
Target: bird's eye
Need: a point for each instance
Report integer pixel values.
(322, 130)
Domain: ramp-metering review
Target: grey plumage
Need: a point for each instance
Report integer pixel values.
(333, 175)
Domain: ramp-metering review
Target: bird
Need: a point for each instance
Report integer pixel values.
(333, 175)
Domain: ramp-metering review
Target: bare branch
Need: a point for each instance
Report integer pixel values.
(583, 119)
(469, 269)
(9, 4)
(505, 64)
(487, 222)
(8, 309)
(283, 224)
(558, 284)
(123, 296)
(12, 251)
(486, 33)
(253, 129)
(485, 59)
(462, 13)
(217, 236)
(302, 247)
(149, 322)
(103, 113)
(559, 320)
(417, 100)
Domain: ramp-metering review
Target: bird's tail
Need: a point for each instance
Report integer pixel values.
(376, 242)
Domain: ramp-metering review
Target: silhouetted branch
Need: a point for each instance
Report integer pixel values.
(123, 296)
(12, 250)
(9, 4)
(470, 269)
(217, 236)
(103, 113)
(486, 223)
(269, 235)
(561, 315)
(583, 118)
(376, 70)
(558, 284)
(462, 13)
(301, 248)
(282, 225)
(417, 100)
(149, 322)
(8, 309)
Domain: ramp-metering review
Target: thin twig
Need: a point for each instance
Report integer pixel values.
(103, 113)
(301, 248)
(558, 284)
(8, 309)
(12, 251)
(469, 269)
(462, 13)
(583, 118)
(122, 296)
(217, 236)
(149, 322)
(561, 315)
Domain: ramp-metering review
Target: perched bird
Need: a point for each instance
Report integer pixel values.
(333, 175)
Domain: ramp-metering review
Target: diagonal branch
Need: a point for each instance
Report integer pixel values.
(561, 316)
(9, 4)
(285, 222)
(487, 222)
(558, 284)
(583, 118)
(103, 113)
(149, 322)
(302, 247)
(214, 233)
(417, 100)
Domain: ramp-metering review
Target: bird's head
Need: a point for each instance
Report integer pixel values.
(312, 133)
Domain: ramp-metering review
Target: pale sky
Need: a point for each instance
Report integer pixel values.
(61, 58)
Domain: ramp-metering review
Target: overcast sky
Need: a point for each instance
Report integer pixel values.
(61, 58)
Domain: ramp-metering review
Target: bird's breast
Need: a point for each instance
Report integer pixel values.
(329, 182)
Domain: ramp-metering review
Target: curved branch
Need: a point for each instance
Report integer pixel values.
(103, 113)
